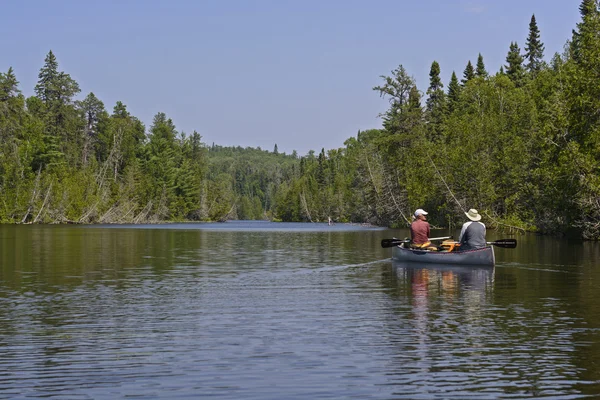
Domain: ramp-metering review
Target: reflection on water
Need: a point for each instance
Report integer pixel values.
(256, 311)
(445, 280)
(465, 333)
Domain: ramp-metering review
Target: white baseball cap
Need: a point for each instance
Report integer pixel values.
(420, 211)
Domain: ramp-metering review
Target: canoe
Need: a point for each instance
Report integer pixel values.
(483, 257)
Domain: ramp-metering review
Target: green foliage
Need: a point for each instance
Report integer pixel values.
(468, 74)
(480, 70)
(521, 146)
(534, 49)
(436, 102)
(514, 67)
(453, 92)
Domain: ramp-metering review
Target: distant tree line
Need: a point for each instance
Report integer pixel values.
(522, 145)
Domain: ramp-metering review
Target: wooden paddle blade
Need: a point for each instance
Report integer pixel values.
(392, 242)
(506, 243)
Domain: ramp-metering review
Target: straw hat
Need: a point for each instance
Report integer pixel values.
(473, 215)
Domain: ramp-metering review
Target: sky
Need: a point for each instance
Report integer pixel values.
(255, 73)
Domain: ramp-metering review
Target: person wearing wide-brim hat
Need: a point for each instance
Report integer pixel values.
(472, 234)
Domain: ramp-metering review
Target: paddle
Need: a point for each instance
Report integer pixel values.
(506, 243)
(395, 242)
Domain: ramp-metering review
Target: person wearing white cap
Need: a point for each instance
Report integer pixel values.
(472, 234)
(419, 230)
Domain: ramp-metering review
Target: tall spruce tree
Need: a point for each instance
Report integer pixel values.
(12, 110)
(414, 99)
(436, 99)
(480, 70)
(48, 76)
(435, 90)
(55, 88)
(9, 85)
(453, 92)
(514, 68)
(586, 8)
(62, 122)
(534, 49)
(92, 109)
(468, 74)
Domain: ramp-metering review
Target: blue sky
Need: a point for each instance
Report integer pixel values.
(256, 73)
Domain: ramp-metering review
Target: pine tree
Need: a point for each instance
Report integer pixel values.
(414, 99)
(55, 88)
(62, 123)
(92, 109)
(587, 7)
(468, 74)
(121, 140)
(436, 99)
(48, 76)
(9, 85)
(480, 69)
(534, 49)
(12, 113)
(414, 111)
(397, 88)
(162, 160)
(120, 110)
(321, 179)
(453, 92)
(435, 91)
(514, 68)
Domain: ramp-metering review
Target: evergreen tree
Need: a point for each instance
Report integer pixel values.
(397, 88)
(435, 101)
(587, 7)
(12, 114)
(414, 100)
(275, 150)
(321, 179)
(160, 164)
(480, 71)
(48, 76)
(453, 92)
(55, 88)
(514, 68)
(534, 48)
(413, 116)
(62, 122)
(92, 109)
(9, 85)
(120, 110)
(435, 92)
(468, 74)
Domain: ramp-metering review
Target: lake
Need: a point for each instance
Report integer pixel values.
(260, 310)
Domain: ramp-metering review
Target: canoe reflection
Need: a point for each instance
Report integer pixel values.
(424, 280)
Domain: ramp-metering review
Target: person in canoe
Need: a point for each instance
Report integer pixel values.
(419, 230)
(472, 234)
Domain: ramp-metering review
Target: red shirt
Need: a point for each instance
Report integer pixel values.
(419, 230)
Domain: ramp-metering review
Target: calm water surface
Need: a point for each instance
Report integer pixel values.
(258, 310)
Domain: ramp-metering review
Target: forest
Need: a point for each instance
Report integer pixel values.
(521, 145)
